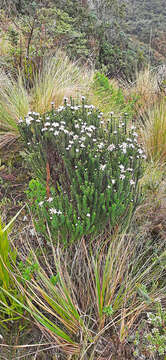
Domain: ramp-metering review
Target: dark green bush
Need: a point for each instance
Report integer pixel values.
(94, 170)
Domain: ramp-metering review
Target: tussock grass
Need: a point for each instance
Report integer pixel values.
(153, 132)
(83, 298)
(14, 103)
(59, 77)
(146, 91)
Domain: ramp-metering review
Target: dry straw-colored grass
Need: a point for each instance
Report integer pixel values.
(153, 132)
(58, 78)
(146, 91)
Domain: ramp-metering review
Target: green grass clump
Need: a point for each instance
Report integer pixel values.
(109, 97)
(10, 309)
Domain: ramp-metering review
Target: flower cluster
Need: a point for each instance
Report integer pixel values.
(95, 167)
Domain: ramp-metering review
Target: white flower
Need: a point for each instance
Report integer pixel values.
(133, 127)
(38, 121)
(47, 123)
(52, 103)
(77, 126)
(122, 177)
(20, 120)
(51, 129)
(82, 146)
(44, 129)
(135, 134)
(132, 182)
(111, 147)
(66, 131)
(111, 113)
(54, 211)
(121, 168)
(55, 124)
(28, 120)
(77, 150)
(50, 199)
(56, 133)
(35, 113)
(113, 181)
(89, 134)
(88, 215)
(140, 151)
(109, 187)
(100, 146)
(75, 137)
(61, 128)
(131, 146)
(41, 203)
(65, 99)
(102, 167)
(83, 97)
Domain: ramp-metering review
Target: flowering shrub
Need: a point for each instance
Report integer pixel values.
(87, 172)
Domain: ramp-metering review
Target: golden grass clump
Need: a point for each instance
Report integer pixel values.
(58, 78)
(146, 91)
(153, 132)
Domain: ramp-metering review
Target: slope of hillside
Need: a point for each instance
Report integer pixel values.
(145, 20)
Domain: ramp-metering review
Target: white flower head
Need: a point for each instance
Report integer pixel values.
(41, 203)
(121, 168)
(132, 182)
(50, 199)
(102, 167)
(28, 120)
(122, 177)
(111, 147)
(55, 124)
(88, 215)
